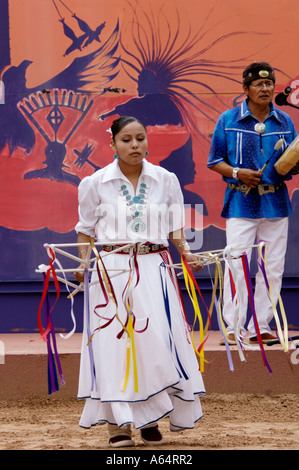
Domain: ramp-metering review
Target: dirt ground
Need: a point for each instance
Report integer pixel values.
(230, 422)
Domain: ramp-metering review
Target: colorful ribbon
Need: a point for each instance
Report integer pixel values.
(107, 289)
(68, 335)
(53, 385)
(131, 351)
(87, 323)
(48, 334)
(252, 306)
(168, 260)
(217, 304)
(282, 336)
(192, 286)
(129, 325)
(50, 269)
(218, 280)
(237, 300)
(172, 345)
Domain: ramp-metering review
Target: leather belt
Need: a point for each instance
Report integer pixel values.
(142, 249)
(262, 188)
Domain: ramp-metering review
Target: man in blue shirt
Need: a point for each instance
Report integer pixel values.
(256, 203)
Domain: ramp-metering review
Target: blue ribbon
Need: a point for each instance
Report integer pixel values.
(180, 370)
(87, 319)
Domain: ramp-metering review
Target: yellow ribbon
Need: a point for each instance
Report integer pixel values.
(283, 336)
(197, 315)
(218, 276)
(130, 340)
(218, 280)
(131, 350)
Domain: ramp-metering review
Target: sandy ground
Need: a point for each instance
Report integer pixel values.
(230, 422)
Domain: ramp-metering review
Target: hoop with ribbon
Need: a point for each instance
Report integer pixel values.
(128, 327)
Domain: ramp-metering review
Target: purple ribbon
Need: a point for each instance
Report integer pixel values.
(252, 306)
(52, 357)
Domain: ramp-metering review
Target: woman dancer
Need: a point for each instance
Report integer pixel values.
(131, 201)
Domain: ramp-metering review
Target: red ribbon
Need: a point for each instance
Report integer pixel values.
(50, 270)
(251, 303)
(233, 287)
(199, 291)
(110, 320)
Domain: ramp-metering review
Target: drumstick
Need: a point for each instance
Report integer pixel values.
(276, 147)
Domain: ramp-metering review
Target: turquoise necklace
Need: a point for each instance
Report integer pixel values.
(136, 204)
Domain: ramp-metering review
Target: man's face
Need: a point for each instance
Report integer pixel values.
(260, 91)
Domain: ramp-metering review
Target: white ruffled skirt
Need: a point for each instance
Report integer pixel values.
(168, 377)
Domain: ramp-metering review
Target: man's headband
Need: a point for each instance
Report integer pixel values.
(258, 70)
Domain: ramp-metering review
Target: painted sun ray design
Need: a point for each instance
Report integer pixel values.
(176, 61)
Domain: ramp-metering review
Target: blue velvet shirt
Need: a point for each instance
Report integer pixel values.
(237, 143)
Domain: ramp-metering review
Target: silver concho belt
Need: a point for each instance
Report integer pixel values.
(142, 249)
(262, 188)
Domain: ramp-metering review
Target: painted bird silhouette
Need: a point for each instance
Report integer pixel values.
(15, 130)
(76, 41)
(89, 33)
(79, 42)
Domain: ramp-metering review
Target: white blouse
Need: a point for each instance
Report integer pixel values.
(105, 210)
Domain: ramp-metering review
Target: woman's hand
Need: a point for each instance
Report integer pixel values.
(179, 241)
(79, 275)
(193, 261)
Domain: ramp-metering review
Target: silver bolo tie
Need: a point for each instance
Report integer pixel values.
(260, 129)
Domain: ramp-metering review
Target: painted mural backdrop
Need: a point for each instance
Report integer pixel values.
(68, 68)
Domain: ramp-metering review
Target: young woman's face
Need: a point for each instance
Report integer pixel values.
(130, 144)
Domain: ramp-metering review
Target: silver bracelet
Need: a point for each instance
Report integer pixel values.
(182, 244)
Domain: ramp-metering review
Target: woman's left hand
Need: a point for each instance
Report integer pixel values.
(78, 274)
(193, 261)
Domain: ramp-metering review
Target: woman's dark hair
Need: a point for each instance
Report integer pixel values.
(121, 122)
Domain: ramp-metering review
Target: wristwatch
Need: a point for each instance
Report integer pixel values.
(235, 173)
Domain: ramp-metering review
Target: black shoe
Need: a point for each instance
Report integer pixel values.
(152, 436)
